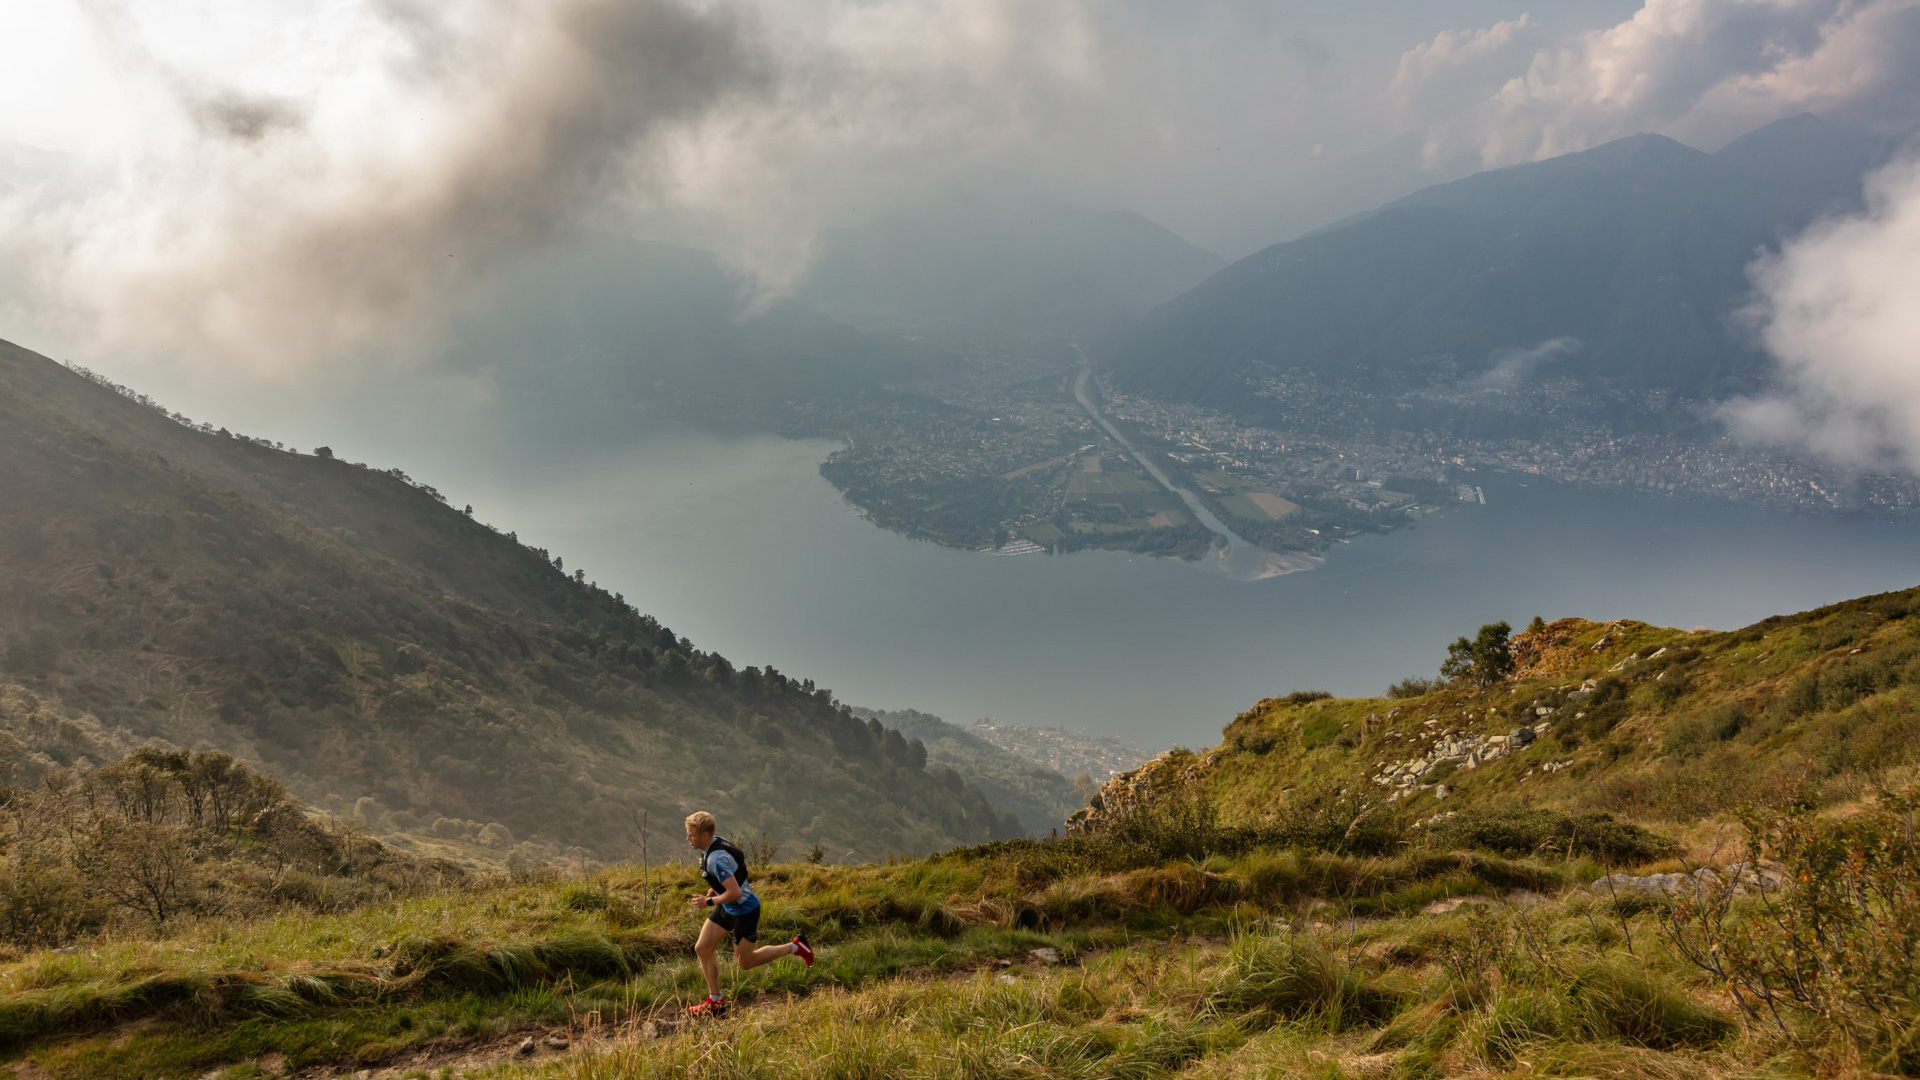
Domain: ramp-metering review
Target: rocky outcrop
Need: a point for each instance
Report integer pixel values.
(1174, 772)
(1741, 877)
(1453, 751)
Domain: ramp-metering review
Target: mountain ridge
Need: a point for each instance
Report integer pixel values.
(1637, 249)
(361, 639)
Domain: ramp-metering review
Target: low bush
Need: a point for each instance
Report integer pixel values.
(1524, 831)
(1414, 686)
(1829, 955)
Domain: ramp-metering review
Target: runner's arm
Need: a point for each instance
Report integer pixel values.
(730, 893)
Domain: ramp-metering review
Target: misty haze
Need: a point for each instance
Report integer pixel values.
(959, 538)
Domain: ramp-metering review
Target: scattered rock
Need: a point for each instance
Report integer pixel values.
(1744, 879)
(1457, 750)
(557, 1041)
(526, 1046)
(1046, 954)
(1453, 903)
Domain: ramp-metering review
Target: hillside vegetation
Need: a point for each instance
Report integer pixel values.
(390, 658)
(1665, 727)
(1221, 914)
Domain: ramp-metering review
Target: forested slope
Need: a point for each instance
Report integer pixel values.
(382, 651)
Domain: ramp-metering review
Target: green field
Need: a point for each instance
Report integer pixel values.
(1043, 533)
(1259, 506)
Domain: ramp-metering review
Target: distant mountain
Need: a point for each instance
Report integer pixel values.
(1632, 255)
(591, 338)
(381, 651)
(1003, 266)
(1039, 796)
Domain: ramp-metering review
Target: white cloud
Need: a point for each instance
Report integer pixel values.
(1839, 311)
(352, 171)
(1455, 72)
(1701, 70)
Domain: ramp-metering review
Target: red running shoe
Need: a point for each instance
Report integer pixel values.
(802, 950)
(712, 1006)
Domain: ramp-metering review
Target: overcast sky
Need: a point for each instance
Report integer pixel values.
(276, 190)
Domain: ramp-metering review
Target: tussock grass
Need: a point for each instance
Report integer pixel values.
(1234, 964)
(1300, 979)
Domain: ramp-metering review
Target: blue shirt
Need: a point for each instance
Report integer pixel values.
(721, 865)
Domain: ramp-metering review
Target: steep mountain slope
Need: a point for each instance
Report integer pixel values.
(374, 647)
(1662, 726)
(1319, 930)
(1006, 266)
(1631, 255)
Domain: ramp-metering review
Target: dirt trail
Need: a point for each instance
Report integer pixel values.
(547, 1043)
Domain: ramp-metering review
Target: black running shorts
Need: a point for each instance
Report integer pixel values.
(742, 927)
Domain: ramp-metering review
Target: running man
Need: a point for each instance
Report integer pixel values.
(735, 911)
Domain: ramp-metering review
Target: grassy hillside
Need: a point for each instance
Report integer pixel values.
(1088, 957)
(1665, 727)
(1265, 908)
(388, 656)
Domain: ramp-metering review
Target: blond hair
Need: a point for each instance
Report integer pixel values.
(701, 821)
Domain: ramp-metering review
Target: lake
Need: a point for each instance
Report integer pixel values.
(740, 545)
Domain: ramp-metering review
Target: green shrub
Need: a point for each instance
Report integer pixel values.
(1524, 831)
(44, 905)
(1253, 740)
(1338, 821)
(1831, 954)
(1693, 734)
(1414, 686)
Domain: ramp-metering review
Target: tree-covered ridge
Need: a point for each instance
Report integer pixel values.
(389, 656)
(1040, 797)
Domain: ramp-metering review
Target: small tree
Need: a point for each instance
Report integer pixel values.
(1483, 661)
(146, 868)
